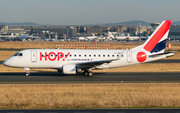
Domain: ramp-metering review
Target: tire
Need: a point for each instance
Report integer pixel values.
(90, 74)
(27, 74)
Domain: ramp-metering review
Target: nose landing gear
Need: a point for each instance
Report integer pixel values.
(27, 71)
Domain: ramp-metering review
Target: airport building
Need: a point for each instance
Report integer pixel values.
(68, 32)
(175, 32)
(60, 31)
(3, 28)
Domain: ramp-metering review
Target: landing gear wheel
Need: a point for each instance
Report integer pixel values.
(27, 74)
(90, 74)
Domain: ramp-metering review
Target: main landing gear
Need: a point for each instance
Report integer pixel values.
(88, 73)
(27, 71)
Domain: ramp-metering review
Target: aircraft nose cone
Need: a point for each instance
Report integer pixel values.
(6, 63)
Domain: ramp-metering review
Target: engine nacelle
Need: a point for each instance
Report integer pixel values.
(69, 69)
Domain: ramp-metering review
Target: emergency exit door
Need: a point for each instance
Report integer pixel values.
(129, 56)
(33, 55)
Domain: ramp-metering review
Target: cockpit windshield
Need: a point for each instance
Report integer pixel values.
(18, 54)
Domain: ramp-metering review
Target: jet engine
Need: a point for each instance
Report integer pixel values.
(69, 69)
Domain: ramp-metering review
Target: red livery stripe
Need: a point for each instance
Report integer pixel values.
(157, 36)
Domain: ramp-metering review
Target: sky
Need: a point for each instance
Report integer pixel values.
(83, 12)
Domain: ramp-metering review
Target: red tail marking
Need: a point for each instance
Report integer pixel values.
(141, 56)
(157, 36)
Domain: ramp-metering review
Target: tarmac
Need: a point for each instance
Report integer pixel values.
(58, 78)
(119, 77)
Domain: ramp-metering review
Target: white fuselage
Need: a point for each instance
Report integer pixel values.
(121, 37)
(56, 58)
(133, 38)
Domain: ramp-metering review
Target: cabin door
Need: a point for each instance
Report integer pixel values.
(129, 56)
(33, 55)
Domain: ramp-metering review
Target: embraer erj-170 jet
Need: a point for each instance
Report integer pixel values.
(71, 61)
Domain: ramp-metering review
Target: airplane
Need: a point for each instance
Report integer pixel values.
(82, 39)
(117, 37)
(25, 36)
(92, 37)
(87, 38)
(143, 38)
(72, 61)
(133, 38)
(110, 35)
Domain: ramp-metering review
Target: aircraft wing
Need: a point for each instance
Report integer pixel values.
(91, 64)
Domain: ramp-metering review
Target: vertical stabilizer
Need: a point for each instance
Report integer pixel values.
(157, 41)
(110, 35)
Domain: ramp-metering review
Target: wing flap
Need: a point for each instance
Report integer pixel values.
(91, 64)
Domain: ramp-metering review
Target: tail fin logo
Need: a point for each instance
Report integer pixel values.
(160, 33)
(141, 56)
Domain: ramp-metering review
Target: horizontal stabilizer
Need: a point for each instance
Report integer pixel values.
(168, 54)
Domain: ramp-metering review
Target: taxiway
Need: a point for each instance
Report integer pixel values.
(54, 77)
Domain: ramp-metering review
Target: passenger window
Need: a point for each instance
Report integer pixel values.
(94, 55)
(74, 55)
(99, 55)
(85, 55)
(65, 55)
(112, 55)
(79, 55)
(70, 55)
(103, 55)
(117, 55)
(108, 55)
(89, 55)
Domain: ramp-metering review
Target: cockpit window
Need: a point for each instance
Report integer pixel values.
(16, 54)
(20, 54)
